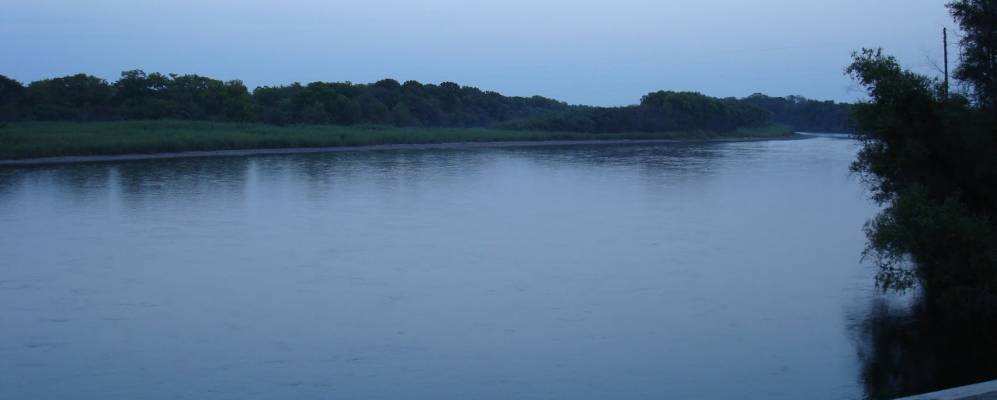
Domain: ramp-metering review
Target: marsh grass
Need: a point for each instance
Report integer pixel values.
(53, 139)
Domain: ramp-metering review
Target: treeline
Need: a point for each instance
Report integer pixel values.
(805, 114)
(141, 96)
(657, 112)
(137, 95)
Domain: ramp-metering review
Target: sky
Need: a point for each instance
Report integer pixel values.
(579, 51)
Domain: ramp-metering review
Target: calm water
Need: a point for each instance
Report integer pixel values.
(708, 271)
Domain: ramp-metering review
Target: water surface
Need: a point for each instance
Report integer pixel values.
(707, 271)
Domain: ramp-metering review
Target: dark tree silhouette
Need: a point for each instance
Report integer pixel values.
(138, 95)
(931, 160)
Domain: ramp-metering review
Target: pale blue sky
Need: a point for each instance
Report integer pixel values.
(580, 51)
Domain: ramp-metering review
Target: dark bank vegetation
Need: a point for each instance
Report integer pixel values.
(58, 116)
(52, 139)
(930, 157)
(137, 95)
(682, 111)
(805, 114)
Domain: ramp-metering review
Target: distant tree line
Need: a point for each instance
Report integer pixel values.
(657, 112)
(137, 95)
(805, 114)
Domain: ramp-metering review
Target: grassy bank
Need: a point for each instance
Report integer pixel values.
(53, 139)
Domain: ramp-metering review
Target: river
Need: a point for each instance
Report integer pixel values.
(681, 270)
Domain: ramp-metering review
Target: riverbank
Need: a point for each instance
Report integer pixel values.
(61, 142)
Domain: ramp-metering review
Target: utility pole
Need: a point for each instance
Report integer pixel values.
(945, 45)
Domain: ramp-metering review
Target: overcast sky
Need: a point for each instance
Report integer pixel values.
(591, 52)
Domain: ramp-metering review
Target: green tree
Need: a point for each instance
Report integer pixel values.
(237, 102)
(140, 95)
(931, 161)
(978, 63)
(11, 99)
(401, 116)
(77, 97)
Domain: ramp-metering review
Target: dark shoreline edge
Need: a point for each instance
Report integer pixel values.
(377, 147)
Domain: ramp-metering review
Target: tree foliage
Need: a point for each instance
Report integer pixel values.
(931, 159)
(805, 114)
(676, 111)
(978, 63)
(77, 97)
(138, 95)
(12, 99)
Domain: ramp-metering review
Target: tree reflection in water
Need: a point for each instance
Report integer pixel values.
(908, 349)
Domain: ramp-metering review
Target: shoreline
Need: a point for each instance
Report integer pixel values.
(376, 147)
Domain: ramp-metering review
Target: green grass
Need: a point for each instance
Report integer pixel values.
(52, 139)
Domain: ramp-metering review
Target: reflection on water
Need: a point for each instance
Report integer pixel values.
(711, 270)
(906, 349)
